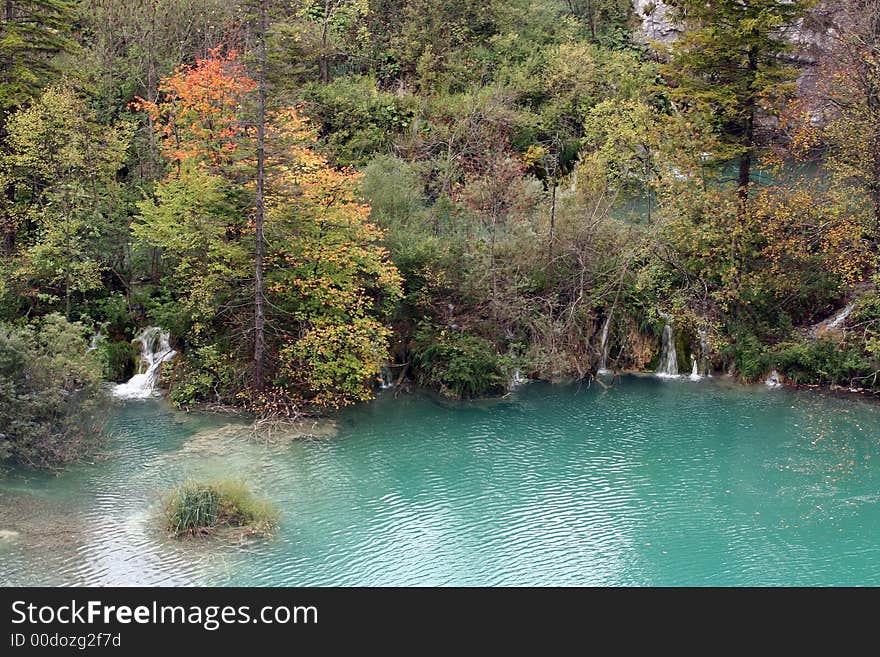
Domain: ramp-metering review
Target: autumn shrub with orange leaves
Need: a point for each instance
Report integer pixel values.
(329, 284)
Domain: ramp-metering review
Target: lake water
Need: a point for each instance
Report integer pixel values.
(652, 482)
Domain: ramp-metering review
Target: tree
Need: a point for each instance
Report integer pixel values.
(199, 214)
(842, 112)
(61, 165)
(495, 195)
(327, 282)
(730, 63)
(332, 30)
(131, 45)
(32, 32)
(260, 205)
(600, 15)
(330, 283)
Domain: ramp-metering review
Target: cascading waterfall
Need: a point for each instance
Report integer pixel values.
(774, 380)
(835, 323)
(668, 366)
(155, 349)
(603, 347)
(838, 320)
(695, 370)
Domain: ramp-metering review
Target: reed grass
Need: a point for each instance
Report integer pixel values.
(197, 508)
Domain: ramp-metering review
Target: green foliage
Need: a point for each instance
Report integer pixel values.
(460, 365)
(60, 174)
(524, 165)
(206, 373)
(201, 508)
(820, 361)
(728, 62)
(32, 34)
(335, 364)
(357, 119)
(805, 361)
(50, 393)
(198, 221)
(120, 360)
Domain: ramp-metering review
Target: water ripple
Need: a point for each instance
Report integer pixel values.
(648, 483)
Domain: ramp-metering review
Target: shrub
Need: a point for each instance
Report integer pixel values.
(459, 364)
(820, 361)
(205, 374)
(198, 508)
(50, 393)
(120, 360)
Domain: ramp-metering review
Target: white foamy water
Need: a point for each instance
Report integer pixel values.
(156, 349)
(668, 367)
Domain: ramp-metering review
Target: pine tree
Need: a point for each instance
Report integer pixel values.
(730, 62)
(32, 32)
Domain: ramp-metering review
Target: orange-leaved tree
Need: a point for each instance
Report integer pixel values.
(329, 283)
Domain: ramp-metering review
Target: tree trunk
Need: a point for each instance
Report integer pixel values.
(552, 228)
(748, 137)
(322, 61)
(259, 218)
(745, 174)
(68, 256)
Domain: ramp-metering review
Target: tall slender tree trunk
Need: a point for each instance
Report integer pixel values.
(68, 256)
(552, 227)
(260, 214)
(322, 62)
(9, 191)
(748, 137)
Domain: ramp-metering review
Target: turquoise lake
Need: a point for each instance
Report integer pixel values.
(652, 482)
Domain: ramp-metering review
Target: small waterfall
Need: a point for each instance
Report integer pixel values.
(695, 370)
(95, 342)
(838, 320)
(773, 381)
(155, 349)
(516, 380)
(386, 380)
(704, 353)
(668, 366)
(603, 347)
(834, 323)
